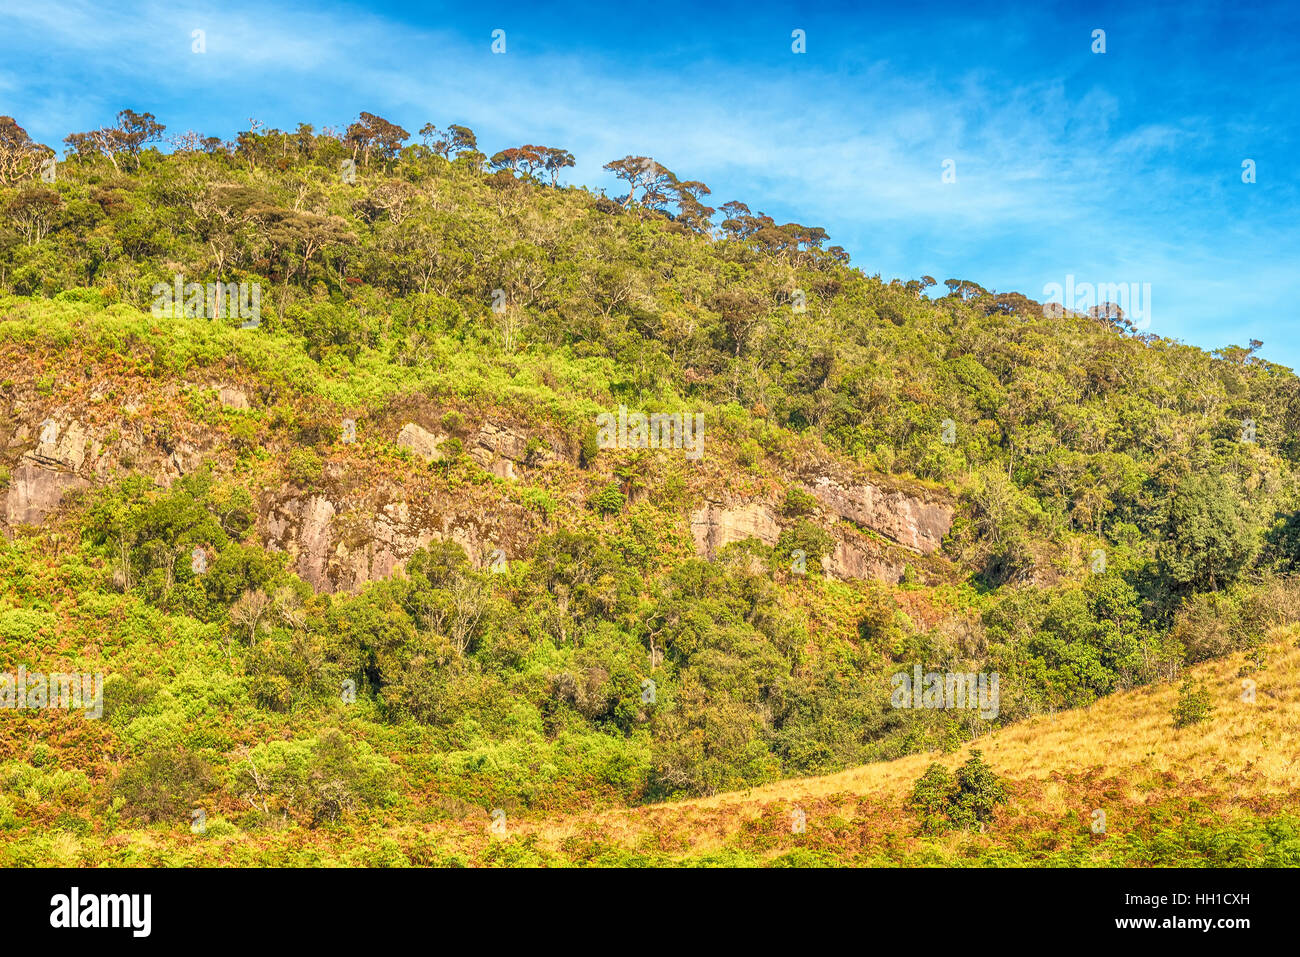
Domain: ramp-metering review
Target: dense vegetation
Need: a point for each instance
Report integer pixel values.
(1127, 504)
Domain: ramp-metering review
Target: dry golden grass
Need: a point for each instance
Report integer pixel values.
(1123, 752)
(1122, 755)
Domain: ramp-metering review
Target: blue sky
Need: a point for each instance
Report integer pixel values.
(1119, 167)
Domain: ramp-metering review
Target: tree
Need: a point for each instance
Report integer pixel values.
(296, 237)
(375, 134)
(1194, 705)
(966, 800)
(740, 312)
(439, 142)
(128, 137)
(964, 289)
(249, 612)
(1209, 538)
(520, 159)
(20, 156)
(554, 160)
(690, 209)
(738, 221)
(34, 212)
(643, 173)
(529, 159)
(463, 139)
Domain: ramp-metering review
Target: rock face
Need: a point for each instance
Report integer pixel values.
(64, 454)
(35, 491)
(851, 561)
(910, 521)
(716, 525)
(421, 442)
(353, 530)
(907, 519)
(232, 398)
(339, 545)
(498, 449)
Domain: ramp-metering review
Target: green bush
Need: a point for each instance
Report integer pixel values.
(932, 797)
(1194, 704)
(305, 468)
(608, 500)
(808, 537)
(163, 784)
(798, 503)
(322, 778)
(941, 800)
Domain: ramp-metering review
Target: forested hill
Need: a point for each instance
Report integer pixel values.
(384, 445)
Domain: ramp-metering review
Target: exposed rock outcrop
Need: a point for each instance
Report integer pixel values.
(421, 442)
(499, 449)
(232, 398)
(340, 544)
(35, 490)
(63, 455)
(717, 525)
(908, 519)
(852, 561)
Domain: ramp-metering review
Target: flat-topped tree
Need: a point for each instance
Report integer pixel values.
(554, 160)
(643, 173)
(375, 134)
(691, 210)
(463, 139)
(964, 289)
(438, 141)
(519, 159)
(531, 158)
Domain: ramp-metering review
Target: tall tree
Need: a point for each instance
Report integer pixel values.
(374, 134)
(132, 132)
(1209, 539)
(554, 160)
(20, 156)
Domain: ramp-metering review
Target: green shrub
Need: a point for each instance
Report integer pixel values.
(978, 792)
(542, 501)
(322, 778)
(1194, 703)
(80, 294)
(932, 797)
(798, 503)
(967, 800)
(163, 784)
(808, 537)
(590, 448)
(304, 467)
(608, 500)
(8, 817)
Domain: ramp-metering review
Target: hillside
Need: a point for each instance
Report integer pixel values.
(1222, 794)
(367, 548)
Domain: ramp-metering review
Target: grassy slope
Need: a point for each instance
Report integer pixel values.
(1223, 792)
(1157, 785)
